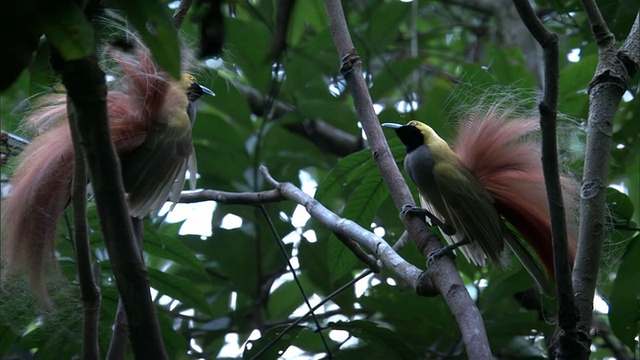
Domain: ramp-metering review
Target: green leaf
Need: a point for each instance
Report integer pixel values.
(179, 289)
(68, 31)
(509, 68)
(237, 260)
(284, 300)
(624, 310)
(365, 199)
(250, 56)
(254, 347)
(393, 78)
(619, 15)
(619, 204)
(387, 343)
(312, 13)
(169, 247)
(151, 20)
(175, 344)
(7, 338)
(572, 95)
(338, 176)
(383, 24)
(361, 207)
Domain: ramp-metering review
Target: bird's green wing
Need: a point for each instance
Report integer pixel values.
(471, 210)
(152, 171)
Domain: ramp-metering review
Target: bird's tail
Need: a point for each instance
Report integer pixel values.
(37, 197)
(506, 160)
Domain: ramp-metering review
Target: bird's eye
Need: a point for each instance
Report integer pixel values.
(192, 79)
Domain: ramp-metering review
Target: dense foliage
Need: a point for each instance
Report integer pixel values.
(431, 61)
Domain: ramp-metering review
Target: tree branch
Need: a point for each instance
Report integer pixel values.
(85, 84)
(629, 53)
(617, 348)
(225, 197)
(322, 134)
(609, 83)
(118, 344)
(278, 44)
(263, 197)
(442, 273)
(571, 343)
(181, 12)
(91, 297)
(348, 229)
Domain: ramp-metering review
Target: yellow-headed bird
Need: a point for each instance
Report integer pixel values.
(495, 173)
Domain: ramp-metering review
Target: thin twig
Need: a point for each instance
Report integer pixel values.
(570, 342)
(119, 336)
(324, 135)
(181, 12)
(90, 291)
(617, 348)
(312, 310)
(284, 253)
(278, 45)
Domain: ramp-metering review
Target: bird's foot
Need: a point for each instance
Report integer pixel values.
(438, 253)
(414, 210)
(446, 228)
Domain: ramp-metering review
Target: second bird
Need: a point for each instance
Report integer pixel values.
(150, 118)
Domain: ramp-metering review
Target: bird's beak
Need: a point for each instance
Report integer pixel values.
(206, 90)
(392, 125)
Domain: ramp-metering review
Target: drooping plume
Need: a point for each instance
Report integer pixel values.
(505, 158)
(150, 119)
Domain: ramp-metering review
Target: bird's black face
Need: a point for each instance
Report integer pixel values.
(410, 135)
(195, 91)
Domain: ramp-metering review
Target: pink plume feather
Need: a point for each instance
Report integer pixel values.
(40, 188)
(506, 160)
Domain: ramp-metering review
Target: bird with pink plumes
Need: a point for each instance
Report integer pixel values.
(150, 119)
(490, 175)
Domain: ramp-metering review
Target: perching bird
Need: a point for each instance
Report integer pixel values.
(150, 119)
(494, 173)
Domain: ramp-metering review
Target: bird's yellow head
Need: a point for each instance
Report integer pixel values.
(427, 132)
(415, 134)
(193, 89)
(188, 80)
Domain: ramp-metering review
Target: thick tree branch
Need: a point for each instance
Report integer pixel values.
(605, 91)
(85, 84)
(442, 274)
(571, 343)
